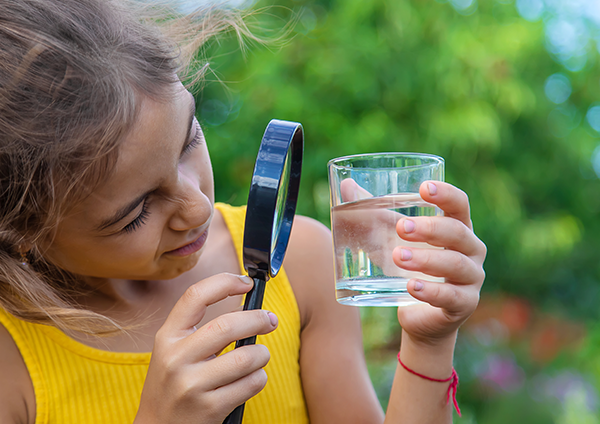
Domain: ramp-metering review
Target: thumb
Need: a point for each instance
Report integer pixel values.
(351, 191)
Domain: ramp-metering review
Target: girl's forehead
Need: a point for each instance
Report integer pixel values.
(147, 156)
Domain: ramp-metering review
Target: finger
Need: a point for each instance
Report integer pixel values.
(441, 231)
(458, 301)
(233, 365)
(351, 191)
(191, 307)
(216, 335)
(453, 201)
(453, 266)
(240, 391)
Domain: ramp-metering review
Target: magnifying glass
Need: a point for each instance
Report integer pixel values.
(270, 214)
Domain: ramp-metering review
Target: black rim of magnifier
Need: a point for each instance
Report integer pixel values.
(281, 138)
(282, 143)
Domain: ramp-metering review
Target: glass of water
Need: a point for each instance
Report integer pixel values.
(369, 194)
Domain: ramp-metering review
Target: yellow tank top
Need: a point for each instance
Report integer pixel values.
(75, 383)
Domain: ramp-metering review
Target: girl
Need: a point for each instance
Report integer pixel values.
(108, 226)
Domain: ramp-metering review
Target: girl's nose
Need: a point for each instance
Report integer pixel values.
(193, 207)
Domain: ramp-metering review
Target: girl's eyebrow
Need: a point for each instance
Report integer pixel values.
(126, 210)
(190, 122)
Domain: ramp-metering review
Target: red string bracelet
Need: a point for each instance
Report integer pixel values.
(453, 379)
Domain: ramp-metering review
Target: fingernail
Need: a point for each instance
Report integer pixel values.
(409, 226)
(419, 286)
(273, 318)
(405, 254)
(245, 279)
(432, 188)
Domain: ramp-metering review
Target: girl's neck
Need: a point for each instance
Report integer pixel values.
(147, 303)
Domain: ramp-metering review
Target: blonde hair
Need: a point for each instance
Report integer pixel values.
(71, 75)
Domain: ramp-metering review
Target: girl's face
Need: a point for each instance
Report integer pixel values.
(150, 218)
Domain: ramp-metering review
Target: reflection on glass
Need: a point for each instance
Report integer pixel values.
(282, 194)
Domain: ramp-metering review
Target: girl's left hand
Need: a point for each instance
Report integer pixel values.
(449, 304)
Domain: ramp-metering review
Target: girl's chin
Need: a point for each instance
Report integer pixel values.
(175, 270)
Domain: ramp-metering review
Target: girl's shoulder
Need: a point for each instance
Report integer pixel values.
(17, 398)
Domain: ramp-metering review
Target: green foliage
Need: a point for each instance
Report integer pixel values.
(418, 76)
(372, 76)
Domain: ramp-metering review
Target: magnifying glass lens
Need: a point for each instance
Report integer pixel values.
(282, 195)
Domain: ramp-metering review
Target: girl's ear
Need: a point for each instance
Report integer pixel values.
(23, 249)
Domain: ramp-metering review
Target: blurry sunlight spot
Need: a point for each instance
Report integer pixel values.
(187, 6)
(566, 37)
(214, 112)
(577, 396)
(579, 405)
(557, 88)
(545, 238)
(502, 372)
(593, 117)
(530, 10)
(308, 20)
(596, 161)
(464, 7)
(515, 97)
(474, 123)
(592, 12)
(575, 63)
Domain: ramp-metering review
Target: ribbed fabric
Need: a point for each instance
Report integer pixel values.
(75, 383)
(282, 400)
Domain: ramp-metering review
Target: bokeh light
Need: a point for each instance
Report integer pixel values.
(186, 6)
(530, 10)
(464, 7)
(571, 28)
(558, 88)
(596, 161)
(572, 38)
(593, 117)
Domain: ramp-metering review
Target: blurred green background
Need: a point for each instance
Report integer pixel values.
(506, 92)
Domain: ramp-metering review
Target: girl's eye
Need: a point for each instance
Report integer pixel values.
(138, 221)
(195, 141)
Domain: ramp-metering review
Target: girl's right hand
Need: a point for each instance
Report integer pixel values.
(187, 381)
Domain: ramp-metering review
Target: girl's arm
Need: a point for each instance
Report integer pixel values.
(336, 383)
(17, 399)
(429, 331)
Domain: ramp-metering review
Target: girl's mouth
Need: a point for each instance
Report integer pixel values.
(193, 247)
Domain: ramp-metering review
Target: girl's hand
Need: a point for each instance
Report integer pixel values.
(186, 381)
(460, 263)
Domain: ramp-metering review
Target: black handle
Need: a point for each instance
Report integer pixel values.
(254, 300)
(236, 415)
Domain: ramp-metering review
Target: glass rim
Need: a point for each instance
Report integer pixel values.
(436, 160)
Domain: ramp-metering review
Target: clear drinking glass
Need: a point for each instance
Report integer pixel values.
(369, 194)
